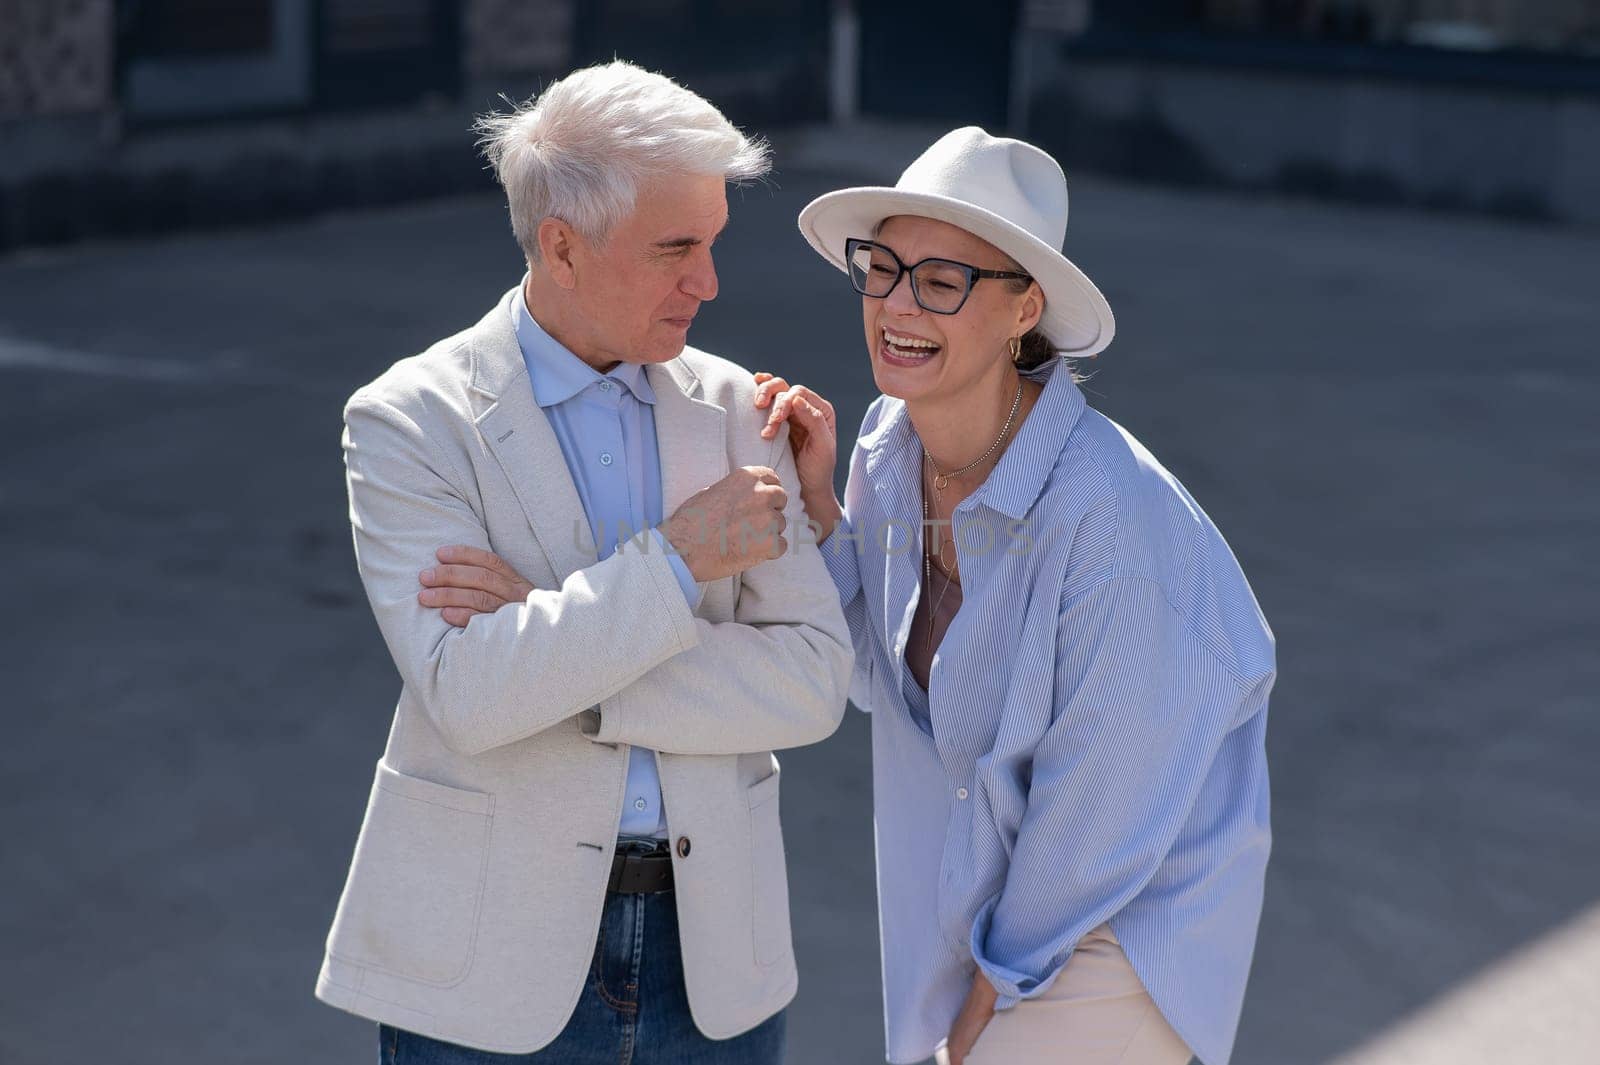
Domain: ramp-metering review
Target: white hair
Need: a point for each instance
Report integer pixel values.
(579, 150)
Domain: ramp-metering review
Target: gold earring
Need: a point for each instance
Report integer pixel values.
(1016, 348)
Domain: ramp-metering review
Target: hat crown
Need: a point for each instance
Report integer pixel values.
(1010, 178)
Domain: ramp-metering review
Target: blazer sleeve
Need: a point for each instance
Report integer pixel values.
(774, 677)
(515, 672)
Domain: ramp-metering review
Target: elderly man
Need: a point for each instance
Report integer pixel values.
(572, 850)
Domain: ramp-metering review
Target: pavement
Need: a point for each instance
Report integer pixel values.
(1391, 416)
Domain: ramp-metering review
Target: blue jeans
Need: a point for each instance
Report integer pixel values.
(633, 1011)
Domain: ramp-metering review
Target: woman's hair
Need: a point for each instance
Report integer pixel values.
(579, 150)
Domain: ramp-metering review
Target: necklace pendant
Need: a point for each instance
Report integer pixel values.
(941, 482)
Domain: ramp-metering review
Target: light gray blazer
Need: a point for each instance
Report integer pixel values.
(474, 897)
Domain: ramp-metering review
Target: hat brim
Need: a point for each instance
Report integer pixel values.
(1077, 319)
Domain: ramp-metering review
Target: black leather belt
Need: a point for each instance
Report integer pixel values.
(641, 874)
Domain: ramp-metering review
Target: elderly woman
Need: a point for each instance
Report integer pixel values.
(1067, 672)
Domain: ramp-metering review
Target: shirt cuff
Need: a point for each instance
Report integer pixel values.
(1011, 987)
(692, 591)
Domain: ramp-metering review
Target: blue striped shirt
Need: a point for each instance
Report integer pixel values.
(1092, 744)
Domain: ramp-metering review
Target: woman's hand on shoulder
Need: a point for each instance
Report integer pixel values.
(813, 437)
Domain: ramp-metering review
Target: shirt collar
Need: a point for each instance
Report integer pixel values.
(1017, 479)
(555, 373)
(1022, 471)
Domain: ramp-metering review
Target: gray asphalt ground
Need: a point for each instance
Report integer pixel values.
(1391, 416)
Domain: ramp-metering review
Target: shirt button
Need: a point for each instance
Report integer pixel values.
(961, 793)
(640, 804)
(605, 458)
(605, 386)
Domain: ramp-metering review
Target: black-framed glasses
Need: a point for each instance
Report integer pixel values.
(938, 285)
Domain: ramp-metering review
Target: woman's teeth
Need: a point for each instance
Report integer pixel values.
(909, 347)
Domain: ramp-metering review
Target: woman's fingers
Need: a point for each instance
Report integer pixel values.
(767, 386)
(823, 406)
(802, 392)
(810, 411)
(781, 408)
(816, 416)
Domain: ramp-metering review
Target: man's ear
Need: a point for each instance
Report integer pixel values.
(557, 242)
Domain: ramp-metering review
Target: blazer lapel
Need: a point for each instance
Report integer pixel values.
(691, 434)
(518, 434)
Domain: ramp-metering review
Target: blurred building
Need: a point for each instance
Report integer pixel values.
(121, 116)
(1490, 105)
(139, 115)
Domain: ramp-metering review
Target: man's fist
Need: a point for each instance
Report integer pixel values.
(731, 526)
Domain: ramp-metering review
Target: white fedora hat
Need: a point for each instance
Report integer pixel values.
(1005, 191)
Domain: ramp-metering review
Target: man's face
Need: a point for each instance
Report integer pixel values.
(639, 291)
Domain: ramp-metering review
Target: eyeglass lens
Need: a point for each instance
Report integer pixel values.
(938, 285)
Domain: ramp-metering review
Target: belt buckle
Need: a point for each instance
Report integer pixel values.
(628, 869)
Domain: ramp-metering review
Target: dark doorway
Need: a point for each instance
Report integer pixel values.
(938, 60)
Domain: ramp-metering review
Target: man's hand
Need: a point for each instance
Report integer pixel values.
(470, 581)
(735, 524)
(725, 529)
(975, 1015)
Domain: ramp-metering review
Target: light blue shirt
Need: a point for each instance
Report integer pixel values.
(607, 429)
(1090, 747)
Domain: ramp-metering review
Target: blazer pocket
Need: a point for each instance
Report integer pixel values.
(769, 874)
(410, 905)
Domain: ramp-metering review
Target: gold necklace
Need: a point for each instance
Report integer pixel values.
(941, 481)
(927, 576)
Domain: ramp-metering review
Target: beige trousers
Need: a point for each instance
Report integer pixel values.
(1096, 1013)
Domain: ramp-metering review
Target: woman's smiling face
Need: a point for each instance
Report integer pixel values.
(917, 354)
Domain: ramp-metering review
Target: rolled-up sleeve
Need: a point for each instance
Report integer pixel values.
(1142, 705)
